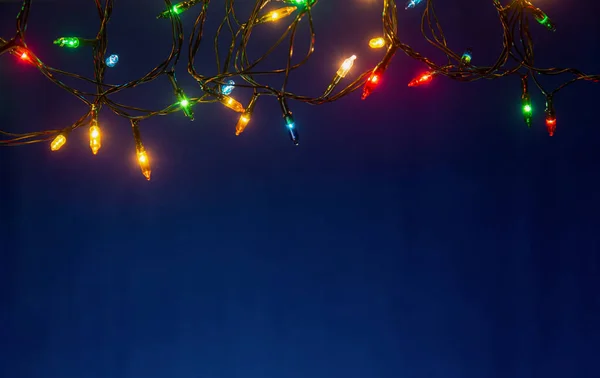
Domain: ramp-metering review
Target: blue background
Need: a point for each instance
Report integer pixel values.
(424, 232)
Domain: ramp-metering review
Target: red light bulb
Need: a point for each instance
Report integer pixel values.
(372, 82)
(551, 125)
(550, 116)
(423, 79)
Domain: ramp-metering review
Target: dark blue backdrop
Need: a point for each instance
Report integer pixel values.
(425, 232)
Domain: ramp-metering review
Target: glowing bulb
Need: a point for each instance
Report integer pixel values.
(543, 19)
(232, 104)
(346, 66)
(95, 138)
(550, 116)
(412, 3)
(527, 108)
(227, 88)
(178, 8)
(71, 42)
(58, 142)
(21, 53)
(185, 104)
(377, 43)
(291, 127)
(112, 60)
(144, 162)
(372, 82)
(277, 14)
(551, 126)
(423, 79)
(245, 117)
(466, 57)
(242, 123)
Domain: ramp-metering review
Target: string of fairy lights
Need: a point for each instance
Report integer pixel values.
(516, 58)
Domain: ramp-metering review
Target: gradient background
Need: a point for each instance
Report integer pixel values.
(425, 232)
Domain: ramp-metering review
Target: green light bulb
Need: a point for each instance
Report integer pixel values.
(178, 8)
(527, 108)
(301, 3)
(543, 19)
(185, 104)
(70, 42)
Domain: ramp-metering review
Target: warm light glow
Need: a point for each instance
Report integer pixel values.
(377, 43)
(372, 82)
(232, 104)
(277, 14)
(95, 138)
(423, 79)
(242, 123)
(58, 142)
(346, 66)
(551, 125)
(144, 162)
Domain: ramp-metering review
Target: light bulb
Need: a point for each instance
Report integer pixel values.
(423, 79)
(276, 14)
(290, 125)
(232, 104)
(412, 3)
(346, 66)
(227, 88)
(58, 142)
(144, 162)
(377, 43)
(71, 42)
(243, 121)
(112, 60)
(95, 138)
(372, 82)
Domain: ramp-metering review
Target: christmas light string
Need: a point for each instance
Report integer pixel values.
(516, 58)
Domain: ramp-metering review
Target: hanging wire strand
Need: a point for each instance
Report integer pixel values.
(515, 58)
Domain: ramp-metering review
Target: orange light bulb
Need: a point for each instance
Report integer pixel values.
(242, 123)
(144, 162)
(232, 104)
(58, 142)
(95, 138)
(377, 43)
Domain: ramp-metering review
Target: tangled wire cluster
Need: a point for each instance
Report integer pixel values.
(516, 58)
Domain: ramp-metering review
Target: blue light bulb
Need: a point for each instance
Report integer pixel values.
(112, 60)
(226, 89)
(291, 127)
(412, 3)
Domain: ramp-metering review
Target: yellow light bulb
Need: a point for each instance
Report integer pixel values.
(144, 162)
(95, 138)
(242, 123)
(346, 66)
(232, 104)
(58, 142)
(377, 43)
(277, 14)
